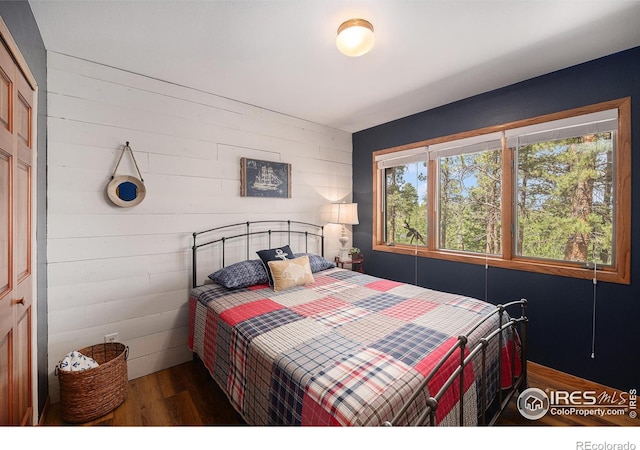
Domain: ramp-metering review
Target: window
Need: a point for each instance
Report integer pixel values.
(549, 194)
(406, 203)
(469, 208)
(565, 191)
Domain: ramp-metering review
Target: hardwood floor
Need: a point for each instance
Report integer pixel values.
(545, 378)
(185, 395)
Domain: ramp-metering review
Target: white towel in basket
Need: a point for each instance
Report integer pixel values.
(76, 361)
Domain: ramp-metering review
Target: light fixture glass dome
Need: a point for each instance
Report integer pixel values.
(355, 37)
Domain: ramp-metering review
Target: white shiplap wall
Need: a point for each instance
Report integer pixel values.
(127, 270)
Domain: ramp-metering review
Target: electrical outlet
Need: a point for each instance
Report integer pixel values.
(111, 338)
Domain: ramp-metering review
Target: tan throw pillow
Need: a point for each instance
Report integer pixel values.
(291, 272)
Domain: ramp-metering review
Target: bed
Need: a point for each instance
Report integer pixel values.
(303, 342)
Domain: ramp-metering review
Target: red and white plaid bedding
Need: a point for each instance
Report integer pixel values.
(349, 349)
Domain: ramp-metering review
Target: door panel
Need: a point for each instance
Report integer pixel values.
(22, 116)
(5, 236)
(5, 369)
(22, 363)
(5, 100)
(22, 212)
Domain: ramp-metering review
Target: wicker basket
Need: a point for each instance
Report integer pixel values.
(92, 393)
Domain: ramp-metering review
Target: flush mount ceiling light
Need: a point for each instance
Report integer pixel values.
(355, 37)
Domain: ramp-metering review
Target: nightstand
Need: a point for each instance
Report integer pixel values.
(357, 264)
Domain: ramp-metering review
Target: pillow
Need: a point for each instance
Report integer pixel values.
(242, 274)
(274, 254)
(291, 272)
(317, 262)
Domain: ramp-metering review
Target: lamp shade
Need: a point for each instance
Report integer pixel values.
(345, 213)
(355, 37)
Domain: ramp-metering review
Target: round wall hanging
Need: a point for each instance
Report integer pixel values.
(126, 190)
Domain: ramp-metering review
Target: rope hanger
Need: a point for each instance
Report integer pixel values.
(125, 148)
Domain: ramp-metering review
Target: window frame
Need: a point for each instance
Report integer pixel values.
(620, 269)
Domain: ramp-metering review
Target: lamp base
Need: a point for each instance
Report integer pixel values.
(344, 251)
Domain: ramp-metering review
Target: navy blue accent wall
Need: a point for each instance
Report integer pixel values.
(560, 308)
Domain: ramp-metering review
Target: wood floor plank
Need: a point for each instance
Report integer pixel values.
(129, 412)
(549, 379)
(186, 395)
(182, 410)
(152, 408)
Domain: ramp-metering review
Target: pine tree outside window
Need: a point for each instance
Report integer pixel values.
(549, 194)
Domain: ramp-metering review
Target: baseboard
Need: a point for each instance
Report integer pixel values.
(41, 419)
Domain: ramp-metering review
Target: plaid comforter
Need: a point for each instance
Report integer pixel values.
(349, 349)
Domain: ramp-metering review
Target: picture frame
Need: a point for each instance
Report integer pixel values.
(260, 178)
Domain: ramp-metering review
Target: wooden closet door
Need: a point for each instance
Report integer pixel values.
(22, 241)
(16, 287)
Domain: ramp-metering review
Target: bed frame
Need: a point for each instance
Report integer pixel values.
(313, 234)
(244, 231)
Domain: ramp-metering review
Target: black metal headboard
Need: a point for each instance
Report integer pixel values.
(266, 228)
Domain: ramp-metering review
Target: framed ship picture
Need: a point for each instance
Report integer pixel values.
(264, 178)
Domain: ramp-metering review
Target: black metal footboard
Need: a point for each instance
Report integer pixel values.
(518, 326)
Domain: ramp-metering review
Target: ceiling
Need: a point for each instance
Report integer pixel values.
(281, 55)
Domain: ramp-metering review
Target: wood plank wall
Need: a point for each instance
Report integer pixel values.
(127, 270)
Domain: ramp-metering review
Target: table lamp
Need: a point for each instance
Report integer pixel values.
(345, 214)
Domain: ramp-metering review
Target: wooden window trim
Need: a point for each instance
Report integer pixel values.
(618, 272)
